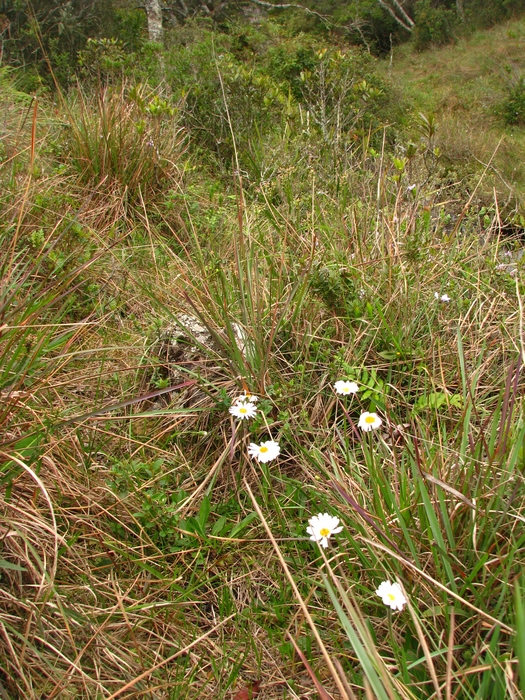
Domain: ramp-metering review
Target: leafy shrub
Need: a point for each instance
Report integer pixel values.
(513, 107)
(434, 25)
(221, 95)
(101, 59)
(336, 287)
(287, 61)
(342, 94)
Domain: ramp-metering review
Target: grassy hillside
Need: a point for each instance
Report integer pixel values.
(263, 216)
(475, 91)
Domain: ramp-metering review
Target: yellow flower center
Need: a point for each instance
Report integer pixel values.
(263, 449)
(324, 532)
(370, 419)
(243, 410)
(391, 597)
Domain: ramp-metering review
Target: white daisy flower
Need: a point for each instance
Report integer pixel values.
(443, 297)
(369, 421)
(264, 452)
(392, 595)
(322, 527)
(243, 409)
(344, 387)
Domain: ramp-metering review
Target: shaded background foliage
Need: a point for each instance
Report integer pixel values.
(41, 35)
(45, 35)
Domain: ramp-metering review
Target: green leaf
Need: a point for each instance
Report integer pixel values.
(204, 512)
(236, 531)
(193, 525)
(4, 564)
(219, 525)
(519, 640)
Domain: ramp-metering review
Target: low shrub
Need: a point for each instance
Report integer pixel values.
(434, 26)
(513, 107)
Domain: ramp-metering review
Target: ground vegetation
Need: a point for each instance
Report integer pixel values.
(262, 356)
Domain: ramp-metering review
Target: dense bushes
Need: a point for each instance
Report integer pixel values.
(48, 39)
(439, 22)
(485, 13)
(247, 93)
(46, 36)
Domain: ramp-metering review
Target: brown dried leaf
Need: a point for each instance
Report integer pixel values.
(249, 692)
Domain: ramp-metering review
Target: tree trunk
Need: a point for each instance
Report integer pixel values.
(154, 13)
(460, 9)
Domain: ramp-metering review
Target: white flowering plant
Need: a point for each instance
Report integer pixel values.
(243, 410)
(346, 387)
(369, 421)
(264, 452)
(321, 527)
(392, 595)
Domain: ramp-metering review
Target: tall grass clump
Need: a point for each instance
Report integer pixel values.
(128, 137)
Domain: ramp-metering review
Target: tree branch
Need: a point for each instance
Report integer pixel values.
(402, 10)
(287, 5)
(407, 23)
